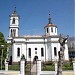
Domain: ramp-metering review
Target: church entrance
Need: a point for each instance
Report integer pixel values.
(35, 58)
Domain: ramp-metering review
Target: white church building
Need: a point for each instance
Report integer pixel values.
(44, 47)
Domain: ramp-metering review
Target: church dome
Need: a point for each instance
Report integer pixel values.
(50, 25)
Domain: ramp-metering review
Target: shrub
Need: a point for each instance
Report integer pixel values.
(49, 63)
(67, 66)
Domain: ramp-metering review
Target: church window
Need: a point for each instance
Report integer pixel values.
(51, 29)
(18, 52)
(35, 48)
(14, 32)
(55, 51)
(72, 45)
(29, 53)
(47, 30)
(35, 52)
(13, 22)
(55, 30)
(11, 32)
(42, 52)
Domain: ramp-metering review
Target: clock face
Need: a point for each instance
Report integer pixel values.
(13, 21)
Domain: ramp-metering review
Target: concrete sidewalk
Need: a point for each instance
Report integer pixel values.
(34, 72)
(53, 73)
(2, 72)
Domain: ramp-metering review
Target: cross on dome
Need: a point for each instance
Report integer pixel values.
(14, 10)
(49, 19)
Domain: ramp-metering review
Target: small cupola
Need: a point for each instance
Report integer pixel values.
(50, 28)
(14, 14)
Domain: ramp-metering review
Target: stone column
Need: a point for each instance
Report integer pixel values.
(6, 65)
(38, 67)
(22, 65)
(55, 67)
(74, 66)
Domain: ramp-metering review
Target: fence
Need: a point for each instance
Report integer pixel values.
(38, 70)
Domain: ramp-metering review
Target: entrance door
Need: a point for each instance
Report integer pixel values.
(35, 58)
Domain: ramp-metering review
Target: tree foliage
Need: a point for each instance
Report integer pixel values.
(4, 48)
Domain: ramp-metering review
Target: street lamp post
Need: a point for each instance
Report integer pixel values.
(2, 55)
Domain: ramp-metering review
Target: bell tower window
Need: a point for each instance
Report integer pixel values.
(11, 33)
(51, 29)
(14, 32)
(55, 30)
(47, 30)
(13, 22)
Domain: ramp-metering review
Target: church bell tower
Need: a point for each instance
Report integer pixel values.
(14, 24)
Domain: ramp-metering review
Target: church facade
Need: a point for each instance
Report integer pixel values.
(44, 47)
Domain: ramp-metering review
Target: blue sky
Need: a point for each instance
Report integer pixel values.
(34, 16)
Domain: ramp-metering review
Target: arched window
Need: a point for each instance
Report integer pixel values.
(18, 52)
(55, 30)
(29, 52)
(42, 52)
(51, 29)
(55, 51)
(13, 21)
(47, 30)
(11, 33)
(14, 32)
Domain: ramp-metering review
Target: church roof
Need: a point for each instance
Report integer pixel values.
(50, 25)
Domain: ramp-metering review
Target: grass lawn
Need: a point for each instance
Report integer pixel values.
(51, 67)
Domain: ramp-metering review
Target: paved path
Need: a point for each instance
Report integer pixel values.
(33, 68)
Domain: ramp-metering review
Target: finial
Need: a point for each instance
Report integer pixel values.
(49, 14)
(49, 19)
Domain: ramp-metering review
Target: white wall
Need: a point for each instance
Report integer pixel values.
(66, 56)
(57, 45)
(31, 43)
(37, 43)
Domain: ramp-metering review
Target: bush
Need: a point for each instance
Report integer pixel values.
(3, 67)
(67, 66)
(14, 67)
(48, 66)
(49, 63)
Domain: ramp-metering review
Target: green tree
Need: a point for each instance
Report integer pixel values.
(3, 42)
